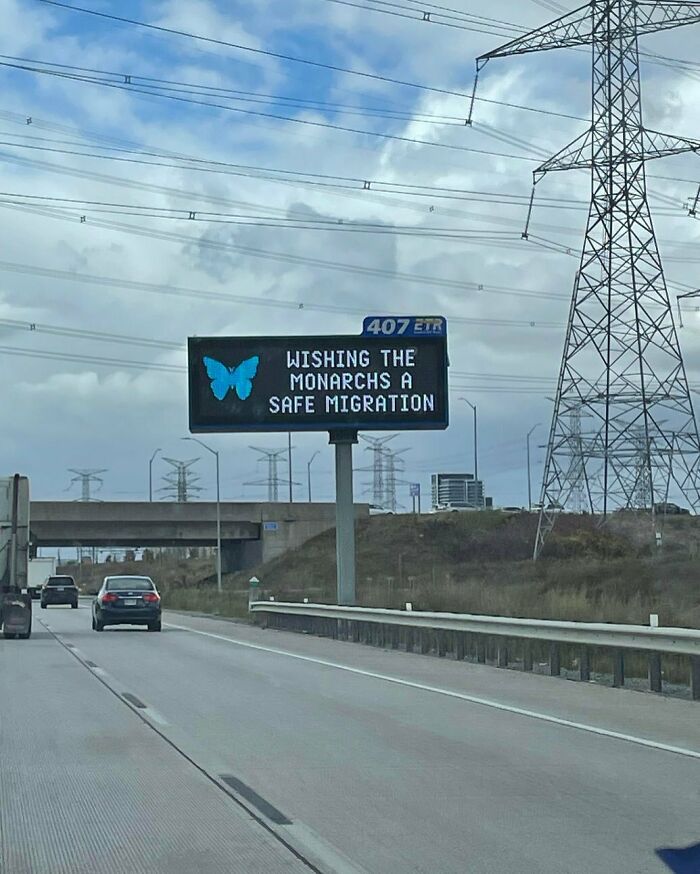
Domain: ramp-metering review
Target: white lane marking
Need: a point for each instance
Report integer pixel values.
(320, 850)
(472, 699)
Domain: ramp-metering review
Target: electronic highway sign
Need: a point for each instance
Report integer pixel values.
(393, 377)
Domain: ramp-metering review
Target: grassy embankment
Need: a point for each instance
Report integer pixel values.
(476, 563)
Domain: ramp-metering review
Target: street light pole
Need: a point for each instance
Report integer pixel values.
(150, 475)
(308, 472)
(476, 442)
(289, 458)
(529, 479)
(215, 453)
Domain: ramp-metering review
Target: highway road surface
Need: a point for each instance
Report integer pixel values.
(218, 747)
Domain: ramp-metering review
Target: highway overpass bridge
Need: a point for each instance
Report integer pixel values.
(250, 532)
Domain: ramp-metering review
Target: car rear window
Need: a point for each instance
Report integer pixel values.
(131, 584)
(60, 581)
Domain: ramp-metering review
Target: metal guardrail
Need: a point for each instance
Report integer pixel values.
(460, 633)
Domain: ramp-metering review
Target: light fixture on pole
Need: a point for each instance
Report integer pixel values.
(529, 479)
(308, 472)
(476, 447)
(215, 453)
(150, 475)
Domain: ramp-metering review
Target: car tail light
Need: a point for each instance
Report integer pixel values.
(109, 598)
(151, 597)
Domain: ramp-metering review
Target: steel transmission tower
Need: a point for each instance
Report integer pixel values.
(392, 464)
(622, 365)
(376, 447)
(86, 478)
(180, 482)
(273, 481)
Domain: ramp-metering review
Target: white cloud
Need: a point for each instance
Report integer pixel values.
(74, 414)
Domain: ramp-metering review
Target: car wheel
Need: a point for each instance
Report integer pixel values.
(154, 626)
(26, 635)
(9, 635)
(43, 606)
(74, 606)
(99, 626)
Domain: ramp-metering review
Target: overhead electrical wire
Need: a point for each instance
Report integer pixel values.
(307, 122)
(244, 48)
(268, 301)
(496, 28)
(208, 90)
(487, 130)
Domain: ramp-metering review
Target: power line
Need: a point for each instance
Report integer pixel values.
(257, 113)
(207, 90)
(240, 47)
(434, 16)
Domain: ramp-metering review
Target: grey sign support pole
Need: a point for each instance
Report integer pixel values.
(344, 515)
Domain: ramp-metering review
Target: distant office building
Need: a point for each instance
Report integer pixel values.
(459, 491)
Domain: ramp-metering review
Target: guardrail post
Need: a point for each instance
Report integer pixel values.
(584, 665)
(441, 643)
(481, 649)
(502, 653)
(527, 656)
(458, 647)
(695, 678)
(618, 668)
(655, 682)
(424, 639)
(554, 660)
(395, 636)
(409, 640)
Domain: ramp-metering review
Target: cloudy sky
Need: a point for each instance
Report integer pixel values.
(115, 276)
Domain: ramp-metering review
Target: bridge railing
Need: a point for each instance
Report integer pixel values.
(506, 641)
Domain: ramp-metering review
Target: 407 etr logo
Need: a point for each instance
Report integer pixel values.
(404, 326)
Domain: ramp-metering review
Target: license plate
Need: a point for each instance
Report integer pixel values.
(130, 602)
(60, 589)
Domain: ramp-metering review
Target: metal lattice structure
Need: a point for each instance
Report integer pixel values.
(622, 366)
(376, 447)
(180, 482)
(273, 480)
(86, 478)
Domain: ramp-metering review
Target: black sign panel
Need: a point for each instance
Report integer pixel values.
(317, 383)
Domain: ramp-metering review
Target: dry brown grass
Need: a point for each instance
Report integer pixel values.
(473, 563)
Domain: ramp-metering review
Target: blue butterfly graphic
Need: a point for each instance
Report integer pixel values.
(224, 378)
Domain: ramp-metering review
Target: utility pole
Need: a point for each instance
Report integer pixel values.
(476, 440)
(622, 364)
(86, 478)
(150, 475)
(215, 453)
(308, 472)
(289, 459)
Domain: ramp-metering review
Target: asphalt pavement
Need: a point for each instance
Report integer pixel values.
(215, 746)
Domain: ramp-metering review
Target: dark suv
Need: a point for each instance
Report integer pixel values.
(59, 590)
(127, 600)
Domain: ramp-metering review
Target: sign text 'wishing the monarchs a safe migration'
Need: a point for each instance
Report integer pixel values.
(317, 383)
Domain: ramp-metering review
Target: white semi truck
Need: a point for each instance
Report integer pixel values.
(15, 602)
(40, 569)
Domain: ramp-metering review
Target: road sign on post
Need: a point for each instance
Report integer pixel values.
(393, 377)
(414, 491)
(317, 383)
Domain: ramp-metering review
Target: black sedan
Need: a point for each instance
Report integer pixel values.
(59, 590)
(127, 600)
